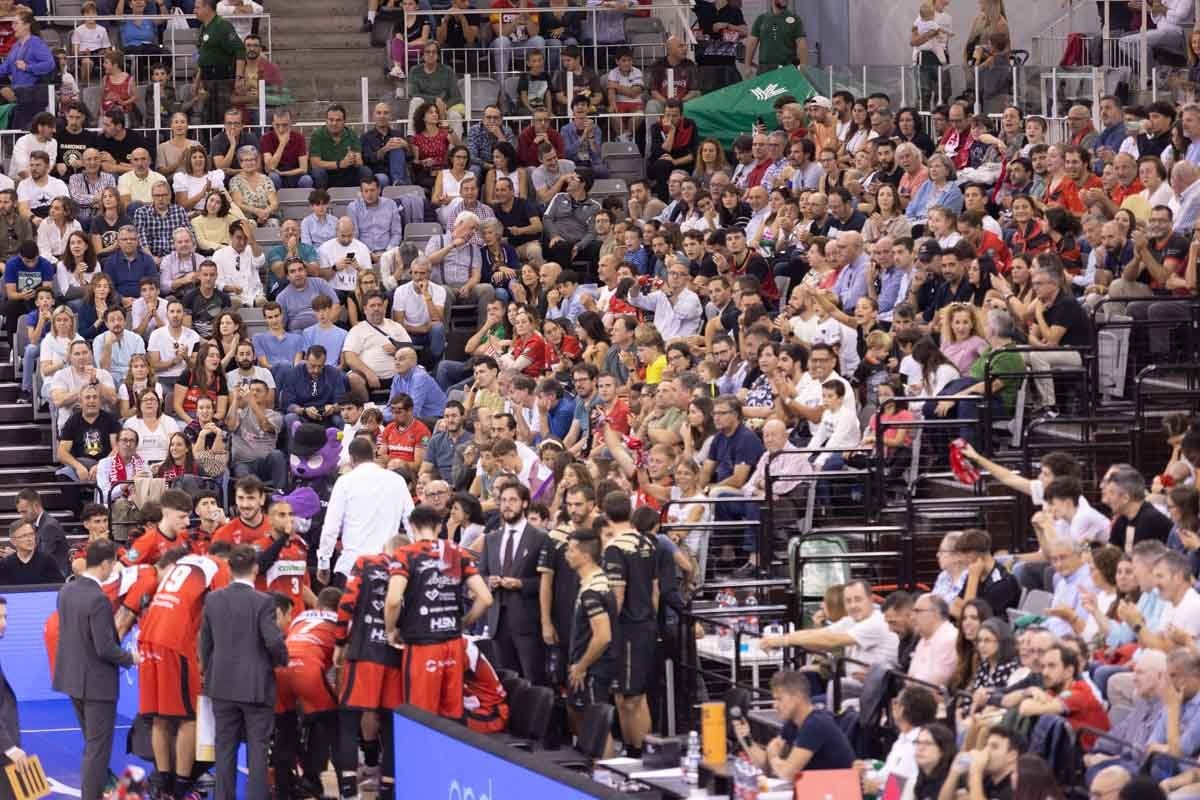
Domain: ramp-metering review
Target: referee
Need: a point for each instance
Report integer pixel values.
(222, 60)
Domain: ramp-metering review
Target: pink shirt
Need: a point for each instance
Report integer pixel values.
(935, 658)
(910, 183)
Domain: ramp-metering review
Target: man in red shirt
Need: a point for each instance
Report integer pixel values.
(169, 675)
(1078, 164)
(427, 591)
(1065, 694)
(171, 531)
(95, 521)
(303, 686)
(405, 438)
(957, 140)
(760, 148)
(611, 411)
(208, 511)
(250, 526)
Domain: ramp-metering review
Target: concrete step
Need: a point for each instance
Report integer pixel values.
(15, 455)
(21, 476)
(301, 23)
(15, 412)
(9, 391)
(298, 63)
(319, 38)
(25, 434)
(68, 497)
(320, 8)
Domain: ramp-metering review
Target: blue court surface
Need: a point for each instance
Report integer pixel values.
(49, 729)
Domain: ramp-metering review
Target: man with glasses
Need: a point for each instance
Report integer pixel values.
(434, 82)
(1072, 579)
(1059, 321)
(157, 223)
(734, 453)
(483, 136)
(677, 309)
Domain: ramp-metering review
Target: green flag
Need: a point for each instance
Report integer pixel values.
(728, 113)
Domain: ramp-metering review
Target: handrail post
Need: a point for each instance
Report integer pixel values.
(157, 109)
(262, 102)
(365, 96)
(1144, 46)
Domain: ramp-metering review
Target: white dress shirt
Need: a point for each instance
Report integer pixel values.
(240, 270)
(368, 506)
(673, 319)
(514, 532)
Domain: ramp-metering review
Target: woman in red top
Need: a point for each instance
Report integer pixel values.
(529, 353)
(1029, 236)
(118, 84)
(206, 378)
(1064, 230)
(179, 459)
(565, 349)
(1061, 190)
(431, 140)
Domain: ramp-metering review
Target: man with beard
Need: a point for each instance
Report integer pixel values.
(249, 370)
(1065, 693)
(251, 525)
(957, 140)
(559, 583)
(584, 376)
(509, 564)
(446, 443)
(781, 34)
(255, 424)
(886, 170)
(73, 141)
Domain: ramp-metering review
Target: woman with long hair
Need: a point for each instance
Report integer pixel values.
(1065, 230)
(212, 227)
(934, 750)
(179, 460)
(1029, 237)
(76, 266)
(505, 165)
(56, 343)
(172, 153)
(593, 338)
(138, 378)
(564, 347)
(229, 330)
(53, 232)
(996, 660)
(154, 430)
(528, 290)
(1016, 288)
(908, 125)
(252, 190)
(195, 178)
(466, 521)
(991, 19)
(573, 473)
(98, 298)
(105, 223)
(205, 378)
(366, 285)
(963, 337)
(430, 140)
(710, 158)
(699, 431)
(210, 446)
(859, 132)
(446, 187)
(888, 217)
(974, 613)
(936, 371)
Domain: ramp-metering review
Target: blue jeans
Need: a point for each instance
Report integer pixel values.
(291, 181)
(1101, 674)
(272, 469)
(29, 362)
(397, 174)
(435, 340)
(503, 47)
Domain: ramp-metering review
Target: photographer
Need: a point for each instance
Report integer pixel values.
(342, 257)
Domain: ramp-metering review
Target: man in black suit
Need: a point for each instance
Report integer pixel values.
(10, 721)
(240, 645)
(88, 657)
(51, 538)
(509, 564)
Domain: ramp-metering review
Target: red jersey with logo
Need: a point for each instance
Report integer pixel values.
(402, 443)
(484, 701)
(312, 636)
(151, 545)
(128, 587)
(173, 618)
(236, 532)
(80, 551)
(437, 572)
(534, 348)
(289, 574)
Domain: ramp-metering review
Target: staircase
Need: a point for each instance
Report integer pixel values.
(26, 459)
(323, 54)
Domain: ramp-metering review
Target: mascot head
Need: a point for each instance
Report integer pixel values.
(314, 450)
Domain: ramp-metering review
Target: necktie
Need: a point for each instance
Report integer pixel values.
(506, 560)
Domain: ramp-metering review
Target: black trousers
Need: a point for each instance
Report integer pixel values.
(251, 723)
(346, 760)
(523, 652)
(97, 720)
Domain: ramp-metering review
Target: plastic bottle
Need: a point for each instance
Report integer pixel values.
(724, 633)
(751, 622)
(691, 762)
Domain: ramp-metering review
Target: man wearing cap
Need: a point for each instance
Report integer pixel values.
(781, 34)
(822, 127)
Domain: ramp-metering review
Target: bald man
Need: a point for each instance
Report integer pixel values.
(135, 186)
(342, 257)
(785, 459)
(1139, 722)
(1109, 782)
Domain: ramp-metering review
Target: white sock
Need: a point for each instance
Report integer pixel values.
(371, 17)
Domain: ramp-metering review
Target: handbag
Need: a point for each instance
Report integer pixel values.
(178, 21)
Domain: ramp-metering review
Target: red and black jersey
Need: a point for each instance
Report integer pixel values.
(80, 551)
(173, 618)
(437, 572)
(289, 573)
(360, 616)
(313, 635)
(485, 702)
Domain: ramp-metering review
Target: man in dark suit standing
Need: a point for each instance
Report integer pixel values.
(88, 657)
(509, 564)
(10, 721)
(51, 538)
(240, 647)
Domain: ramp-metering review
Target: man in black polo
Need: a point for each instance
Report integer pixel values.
(522, 224)
(986, 578)
(954, 287)
(1059, 321)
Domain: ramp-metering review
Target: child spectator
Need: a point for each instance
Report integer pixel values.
(873, 369)
(625, 88)
(962, 335)
(533, 87)
(89, 41)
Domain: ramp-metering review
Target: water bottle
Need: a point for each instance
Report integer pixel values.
(724, 634)
(751, 625)
(691, 762)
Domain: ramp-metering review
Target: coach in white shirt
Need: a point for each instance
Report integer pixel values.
(238, 264)
(368, 506)
(677, 309)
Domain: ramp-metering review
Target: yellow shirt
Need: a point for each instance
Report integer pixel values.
(138, 189)
(654, 370)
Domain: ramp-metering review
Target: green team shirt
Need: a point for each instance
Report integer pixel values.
(777, 35)
(322, 145)
(219, 44)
